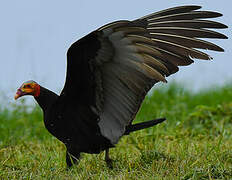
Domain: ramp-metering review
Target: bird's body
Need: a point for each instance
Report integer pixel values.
(74, 124)
(110, 70)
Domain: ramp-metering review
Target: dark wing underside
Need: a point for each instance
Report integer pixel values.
(112, 69)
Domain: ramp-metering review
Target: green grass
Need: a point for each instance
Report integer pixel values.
(194, 143)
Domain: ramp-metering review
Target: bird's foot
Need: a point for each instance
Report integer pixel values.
(71, 159)
(109, 163)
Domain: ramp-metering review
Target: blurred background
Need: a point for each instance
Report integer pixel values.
(35, 36)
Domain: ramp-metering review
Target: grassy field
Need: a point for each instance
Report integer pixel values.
(194, 143)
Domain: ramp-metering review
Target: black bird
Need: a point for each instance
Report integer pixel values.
(110, 70)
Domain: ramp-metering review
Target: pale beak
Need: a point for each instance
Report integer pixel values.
(18, 94)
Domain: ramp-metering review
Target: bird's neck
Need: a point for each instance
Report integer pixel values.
(46, 98)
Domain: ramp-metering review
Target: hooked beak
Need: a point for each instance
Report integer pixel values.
(18, 94)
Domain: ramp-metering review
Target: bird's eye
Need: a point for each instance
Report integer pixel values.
(27, 86)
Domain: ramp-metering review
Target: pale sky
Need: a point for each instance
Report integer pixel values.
(35, 36)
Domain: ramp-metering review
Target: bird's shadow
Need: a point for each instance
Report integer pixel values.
(147, 157)
(118, 164)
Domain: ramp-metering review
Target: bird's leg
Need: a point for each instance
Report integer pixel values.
(108, 160)
(72, 159)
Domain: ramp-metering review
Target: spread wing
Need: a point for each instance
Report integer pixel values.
(112, 69)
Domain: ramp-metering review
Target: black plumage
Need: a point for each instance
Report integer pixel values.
(110, 70)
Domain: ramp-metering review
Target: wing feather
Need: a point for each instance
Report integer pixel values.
(186, 16)
(126, 58)
(174, 10)
(197, 24)
(186, 41)
(187, 32)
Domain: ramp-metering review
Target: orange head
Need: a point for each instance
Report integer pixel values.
(28, 88)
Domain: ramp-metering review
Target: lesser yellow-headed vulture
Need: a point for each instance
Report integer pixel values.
(110, 70)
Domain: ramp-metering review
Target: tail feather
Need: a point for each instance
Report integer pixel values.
(143, 125)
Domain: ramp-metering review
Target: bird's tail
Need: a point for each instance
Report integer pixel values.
(143, 125)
